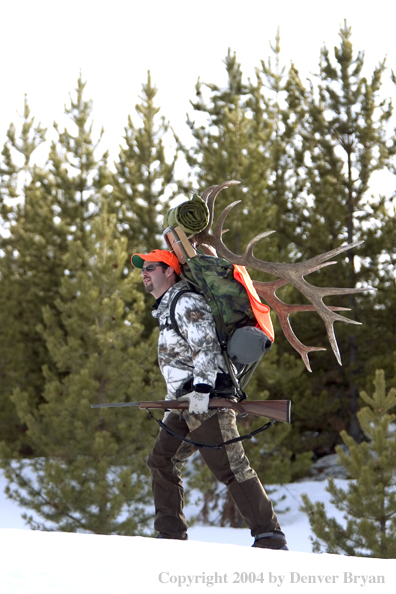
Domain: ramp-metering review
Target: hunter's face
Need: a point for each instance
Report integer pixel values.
(153, 279)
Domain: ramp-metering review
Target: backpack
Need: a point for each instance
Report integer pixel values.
(243, 323)
(227, 298)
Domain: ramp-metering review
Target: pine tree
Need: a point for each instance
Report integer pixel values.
(27, 272)
(369, 503)
(225, 148)
(49, 205)
(77, 177)
(278, 108)
(344, 134)
(90, 474)
(143, 175)
(246, 131)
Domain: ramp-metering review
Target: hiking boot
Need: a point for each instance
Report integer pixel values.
(270, 540)
(184, 537)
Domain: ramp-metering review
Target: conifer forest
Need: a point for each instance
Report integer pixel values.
(75, 322)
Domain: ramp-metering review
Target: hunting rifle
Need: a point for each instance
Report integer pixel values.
(277, 410)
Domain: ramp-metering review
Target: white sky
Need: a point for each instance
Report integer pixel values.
(45, 43)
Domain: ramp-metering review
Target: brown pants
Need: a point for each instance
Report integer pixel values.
(229, 465)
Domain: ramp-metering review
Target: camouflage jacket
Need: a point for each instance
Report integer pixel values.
(198, 357)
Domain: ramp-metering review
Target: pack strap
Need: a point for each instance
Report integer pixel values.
(218, 320)
(210, 446)
(172, 315)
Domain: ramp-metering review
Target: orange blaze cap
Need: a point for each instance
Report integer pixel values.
(156, 256)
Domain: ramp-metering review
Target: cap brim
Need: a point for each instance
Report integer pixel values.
(137, 261)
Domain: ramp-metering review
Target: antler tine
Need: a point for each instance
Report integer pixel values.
(332, 338)
(205, 197)
(252, 244)
(206, 193)
(218, 231)
(319, 266)
(332, 253)
(325, 291)
(302, 350)
(226, 184)
(215, 190)
(213, 195)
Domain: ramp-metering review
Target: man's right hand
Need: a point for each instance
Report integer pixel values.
(199, 402)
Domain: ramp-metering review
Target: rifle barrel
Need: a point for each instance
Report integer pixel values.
(116, 404)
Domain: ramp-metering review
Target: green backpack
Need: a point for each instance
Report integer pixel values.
(227, 298)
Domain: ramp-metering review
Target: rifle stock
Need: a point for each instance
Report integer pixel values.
(277, 410)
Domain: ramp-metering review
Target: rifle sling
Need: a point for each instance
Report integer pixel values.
(209, 446)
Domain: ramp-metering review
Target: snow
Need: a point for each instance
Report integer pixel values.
(38, 562)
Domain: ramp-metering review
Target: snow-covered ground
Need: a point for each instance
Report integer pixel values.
(33, 562)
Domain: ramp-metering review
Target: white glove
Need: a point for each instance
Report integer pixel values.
(199, 402)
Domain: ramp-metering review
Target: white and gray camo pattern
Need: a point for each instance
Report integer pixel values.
(199, 355)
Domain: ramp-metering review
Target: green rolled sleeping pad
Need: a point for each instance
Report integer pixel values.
(192, 216)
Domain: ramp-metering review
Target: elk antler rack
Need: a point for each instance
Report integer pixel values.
(294, 274)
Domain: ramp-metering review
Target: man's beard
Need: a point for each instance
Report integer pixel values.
(149, 287)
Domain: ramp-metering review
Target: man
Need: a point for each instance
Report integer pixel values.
(193, 366)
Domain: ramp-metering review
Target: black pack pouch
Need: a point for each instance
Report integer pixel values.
(224, 387)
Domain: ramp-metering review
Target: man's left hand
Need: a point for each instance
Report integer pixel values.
(199, 402)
